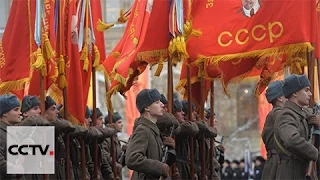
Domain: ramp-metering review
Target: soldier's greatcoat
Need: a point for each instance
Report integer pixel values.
(271, 165)
(188, 129)
(3, 152)
(291, 130)
(144, 150)
(117, 146)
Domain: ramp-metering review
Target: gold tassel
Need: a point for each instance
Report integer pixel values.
(122, 18)
(40, 60)
(48, 51)
(297, 64)
(101, 26)
(86, 64)
(96, 57)
(56, 72)
(84, 53)
(160, 67)
(61, 69)
(189, 31)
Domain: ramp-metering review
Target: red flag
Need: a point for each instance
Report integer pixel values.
(241, 35)
(144, 42)
(16, 47)
(317, 20)
(48, 39)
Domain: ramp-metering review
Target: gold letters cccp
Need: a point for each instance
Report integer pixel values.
(267, 31)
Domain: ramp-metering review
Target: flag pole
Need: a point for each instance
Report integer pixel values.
(42, 106)
(65, 104)
(311, 169)
(83, 158)
(170, 102)
(113, 152)
(189, 118)
(211, 124)
(202, 148)
(94, 115)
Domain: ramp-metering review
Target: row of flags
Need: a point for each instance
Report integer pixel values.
(55, 39)
(216, 40)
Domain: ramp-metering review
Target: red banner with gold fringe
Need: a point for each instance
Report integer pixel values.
(257, 28)
(17, 46)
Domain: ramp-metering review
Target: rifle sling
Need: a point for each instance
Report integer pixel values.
(286, 152)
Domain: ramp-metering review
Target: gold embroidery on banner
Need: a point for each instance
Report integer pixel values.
(209, 4)
(2, 59)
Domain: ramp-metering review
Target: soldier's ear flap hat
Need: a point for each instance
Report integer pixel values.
(294, 83)
(49, 102)
(177, 106)
(88, 112)
(146, 97)
(185, 106)
(163, 99)
(98, 113)
(274, 91)
(115, 117)
(7, 103)
(29, 102)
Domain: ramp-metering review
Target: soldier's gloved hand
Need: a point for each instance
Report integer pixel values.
(80, 131)
(169, 141)
(202, 125)
(107, 132)
(113, 126)
(220, 147)
(313, 120)
(63, 125)
(165, 170)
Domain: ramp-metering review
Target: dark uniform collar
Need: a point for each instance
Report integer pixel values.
(148, 123)
(3, 125)
(293, 106)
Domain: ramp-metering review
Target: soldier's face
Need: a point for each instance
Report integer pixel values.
(282, 100)
(215, 121)
(99, 122)
(35, 111)
(13, 116)
(165, 108)
(304, 96)
(52, 113)
(179, 115)
(88, 121)
(156, 108)
(248, 4)
(194, 115)
(119, 125)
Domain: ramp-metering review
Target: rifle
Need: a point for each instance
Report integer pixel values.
(165, 152)
(311, 172)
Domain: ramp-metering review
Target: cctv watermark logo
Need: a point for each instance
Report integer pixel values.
(30, 150)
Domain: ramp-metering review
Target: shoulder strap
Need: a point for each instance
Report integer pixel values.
(288, 153)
